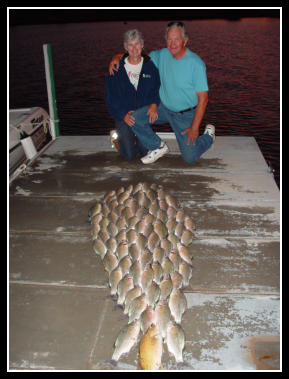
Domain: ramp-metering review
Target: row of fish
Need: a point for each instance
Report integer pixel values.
(142, 235)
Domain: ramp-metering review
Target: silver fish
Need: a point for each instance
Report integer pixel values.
(94, 210)
(160, 229)
(114, 278)
(107, 195)
(131, 222)
(134, 252)
(166, 287)
(125, 264)
(175, 258)
(120, 223)
(167, 265)
(181, 215)
(145, 258)
(136, 272)
(147, 277)
(148, 230)
(96, 218)
(94, 231)
(158, 272)
(112, 229)
(111, 244)
(142, 212)
(190, 224)
(99, 248)
(174, 240)
(177, 279)
(123, 196)
(186, 271)
(112, 217)
(119, 191)
(180, 228)
(126, 339)
(161, 194)
(153, 241)
(166, 245)
(103, 235)
(127, 213)
(121, 250)
(163, 316)
(162, 215)
(124, 285)
(147, 318)
(137, 306)
(141, 241)
(131, 237)
(153, 292)
(187, 237)
(118, 209)
(172, 201)
(151, 194)
(158, 254)
(110, 261)
(132, 294)
(185, 253)
(176, 340)
(177, 304)
(139, 226)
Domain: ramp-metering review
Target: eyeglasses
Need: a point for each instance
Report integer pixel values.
(176, 23)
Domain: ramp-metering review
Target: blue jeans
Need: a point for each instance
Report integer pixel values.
(129, 144)
(179, 123)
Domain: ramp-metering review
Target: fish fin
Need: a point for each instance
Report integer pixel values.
(184, 366)
(110, 362)
(186, 288)
(118, 306)
(111, 296)
(122, 317)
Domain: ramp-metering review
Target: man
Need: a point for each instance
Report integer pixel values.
(184, 97)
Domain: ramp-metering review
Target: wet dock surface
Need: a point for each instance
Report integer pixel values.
(58, 317)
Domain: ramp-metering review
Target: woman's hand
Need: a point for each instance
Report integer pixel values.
(152, 112)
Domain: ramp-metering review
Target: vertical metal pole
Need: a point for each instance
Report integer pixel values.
(54, 122)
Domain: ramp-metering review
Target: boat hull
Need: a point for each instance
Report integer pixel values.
(34, 121)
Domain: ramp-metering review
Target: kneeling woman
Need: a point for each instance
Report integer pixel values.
(135, 85)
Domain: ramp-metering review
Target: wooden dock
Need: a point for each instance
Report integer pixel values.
(58, 318)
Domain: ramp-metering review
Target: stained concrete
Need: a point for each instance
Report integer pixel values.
(58, 317)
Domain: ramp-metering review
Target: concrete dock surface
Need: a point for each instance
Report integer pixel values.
(58, 317)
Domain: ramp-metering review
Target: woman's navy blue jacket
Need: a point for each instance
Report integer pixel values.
(120, 94)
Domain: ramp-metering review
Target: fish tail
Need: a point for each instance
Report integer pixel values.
(110, 362)
(186, 288)
(184, 366)
(118, 306)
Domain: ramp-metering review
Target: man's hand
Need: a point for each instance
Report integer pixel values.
(152, 112)
(114, 64)
(128, 118)
(192, 135)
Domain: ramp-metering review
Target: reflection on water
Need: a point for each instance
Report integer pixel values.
(243, 68)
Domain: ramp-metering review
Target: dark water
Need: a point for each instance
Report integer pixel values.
(243, 68)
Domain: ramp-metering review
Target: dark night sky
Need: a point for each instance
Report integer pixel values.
(56, 16)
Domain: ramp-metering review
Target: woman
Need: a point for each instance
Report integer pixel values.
(135, 85)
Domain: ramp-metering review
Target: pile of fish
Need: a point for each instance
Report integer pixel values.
(142, 235)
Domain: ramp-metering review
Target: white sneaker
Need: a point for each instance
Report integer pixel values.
(112, 136)
(152, 156)
(210, 129)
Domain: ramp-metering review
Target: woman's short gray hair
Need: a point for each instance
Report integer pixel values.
(132, 34)
(177, 24)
